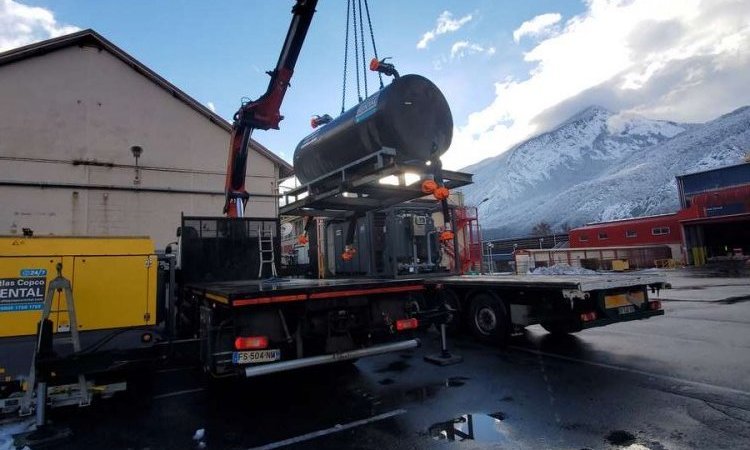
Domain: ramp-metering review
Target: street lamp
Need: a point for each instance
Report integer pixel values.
(489, 257)
(137, 151)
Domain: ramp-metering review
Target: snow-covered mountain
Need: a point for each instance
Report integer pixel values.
(600, 166)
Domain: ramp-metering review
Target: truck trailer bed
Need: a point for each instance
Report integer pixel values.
(584, 283)
(277, 290)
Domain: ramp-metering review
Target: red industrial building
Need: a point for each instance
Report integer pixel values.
(714, 220)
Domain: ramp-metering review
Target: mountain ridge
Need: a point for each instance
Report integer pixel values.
(598, 165)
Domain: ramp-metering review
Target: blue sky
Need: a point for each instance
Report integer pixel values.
(505, 66)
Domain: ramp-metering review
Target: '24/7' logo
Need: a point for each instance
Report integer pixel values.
(33, 273)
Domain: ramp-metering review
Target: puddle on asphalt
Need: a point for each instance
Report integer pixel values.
(456, 381)
(471, 427)
(620, 438)
(395, 366)
(422, 393)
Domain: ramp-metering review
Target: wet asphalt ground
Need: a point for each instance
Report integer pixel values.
(677, 381)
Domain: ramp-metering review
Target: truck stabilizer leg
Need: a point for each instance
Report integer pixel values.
(44, 434)
(444, 358)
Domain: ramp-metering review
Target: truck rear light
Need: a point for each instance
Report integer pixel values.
(655, 305)
(588, 317)
(251, 342)
(407, 324)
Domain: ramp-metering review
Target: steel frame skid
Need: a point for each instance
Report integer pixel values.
(356, 188)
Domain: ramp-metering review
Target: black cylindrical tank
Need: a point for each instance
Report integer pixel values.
(409, 115)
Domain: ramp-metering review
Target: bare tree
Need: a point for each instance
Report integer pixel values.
(541, 229)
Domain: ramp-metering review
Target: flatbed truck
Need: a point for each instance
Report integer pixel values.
(234, 319)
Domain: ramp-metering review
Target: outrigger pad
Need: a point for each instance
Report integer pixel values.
(444, 359)
(43, 437)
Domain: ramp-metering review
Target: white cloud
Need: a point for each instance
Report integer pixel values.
(445, 24)
(464, 48)
(684, 60)
(21, 25)
(211, 106)
(536, 26)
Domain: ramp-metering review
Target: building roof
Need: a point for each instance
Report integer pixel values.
(745, 165)
(594, 225)
(90, 37)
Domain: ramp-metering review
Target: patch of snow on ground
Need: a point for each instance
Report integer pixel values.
(9, 429)
(562, 269)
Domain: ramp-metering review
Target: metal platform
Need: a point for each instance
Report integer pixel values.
(250, 292)
(357, 187)
(584, 283)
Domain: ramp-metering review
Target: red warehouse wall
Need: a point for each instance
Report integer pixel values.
(663, 229)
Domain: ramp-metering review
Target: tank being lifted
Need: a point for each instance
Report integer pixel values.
(410, 115)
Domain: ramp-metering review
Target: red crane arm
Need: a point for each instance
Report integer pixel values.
(264, 112)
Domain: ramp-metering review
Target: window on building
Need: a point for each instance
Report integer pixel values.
(659, 231)
(583, 238)
(603, 235)
(630, 234)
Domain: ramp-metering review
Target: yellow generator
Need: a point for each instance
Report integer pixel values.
(114, 286)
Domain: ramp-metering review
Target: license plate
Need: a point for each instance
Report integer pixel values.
(626, 309)
(630, 298)
(256, 356)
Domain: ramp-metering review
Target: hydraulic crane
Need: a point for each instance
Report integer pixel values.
(264, 113)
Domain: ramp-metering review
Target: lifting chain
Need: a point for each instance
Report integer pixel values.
(372, 37)
(346, 56)
(356, 46)
(362, 40)
(358, 32)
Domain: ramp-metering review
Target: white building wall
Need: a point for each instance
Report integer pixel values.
(67, 122)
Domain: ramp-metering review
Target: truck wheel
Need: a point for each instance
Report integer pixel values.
(488, 320)
(561, 327)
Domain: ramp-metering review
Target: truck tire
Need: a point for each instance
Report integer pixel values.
(488, 319)
(561, 327)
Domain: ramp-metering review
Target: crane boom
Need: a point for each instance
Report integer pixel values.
(264, 112)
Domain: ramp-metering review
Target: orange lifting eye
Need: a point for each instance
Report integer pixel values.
(429, 186)
(302, 239)
(348, 253)
(446, 236)
(441, 193)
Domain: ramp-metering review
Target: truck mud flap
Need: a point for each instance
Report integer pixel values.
(254, 371)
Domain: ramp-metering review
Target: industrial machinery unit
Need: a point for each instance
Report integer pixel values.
(397, 241)
(112, 321)
(124, 270)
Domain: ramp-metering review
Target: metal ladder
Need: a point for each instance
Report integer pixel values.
(59, 284)
(320, 248)
(266, 252)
